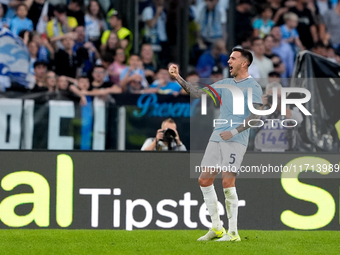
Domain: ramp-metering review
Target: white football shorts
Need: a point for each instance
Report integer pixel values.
(224, 156)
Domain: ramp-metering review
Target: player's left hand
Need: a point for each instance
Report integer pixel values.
(226, 135)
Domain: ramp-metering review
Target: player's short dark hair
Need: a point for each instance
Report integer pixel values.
(246, 54)
(60, 8)
(83, 77)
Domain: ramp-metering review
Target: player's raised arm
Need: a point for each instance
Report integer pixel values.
(192, 90)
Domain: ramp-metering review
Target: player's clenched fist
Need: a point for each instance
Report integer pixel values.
(226, 135)
(173, 70)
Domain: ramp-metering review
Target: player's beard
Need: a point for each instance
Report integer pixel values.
(234, 72)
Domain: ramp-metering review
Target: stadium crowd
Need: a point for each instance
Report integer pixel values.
(80, 43)
(80, 49)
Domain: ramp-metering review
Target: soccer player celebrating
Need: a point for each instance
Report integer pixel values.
(227, 144)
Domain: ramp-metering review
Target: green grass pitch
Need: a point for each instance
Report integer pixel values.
(47, 241)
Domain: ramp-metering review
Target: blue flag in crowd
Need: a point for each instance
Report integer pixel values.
(14, 58)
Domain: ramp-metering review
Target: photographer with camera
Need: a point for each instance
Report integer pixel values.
(167, 138)
(273, 136)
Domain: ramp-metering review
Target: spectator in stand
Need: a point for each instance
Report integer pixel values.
(80, 88)
(60, 24)
(95, 24)
(33, 49)
(243, 26)
(133, 73)
(12, 6)
(63, 83)
(337, 57)
(263, 63)
(196, 44)
(20, 21)
(75, 9)
(112, 43)
(51, 81)
(268, 43)
(212, 21)
(3, 21)
(83, 83)
(274, 136)
(216, 74)
(80, 42)
(26, 36)
(284, 50)
(40, 11)
(80, 39)
(155, 18)
(217, 56)
(245, 43)
(331, 56)
(87, 56)
(99, 87)
(192, 78)
(319, 21)
(66, 60)
(163, 84)
(279, 67)
(46, 51)
(263, 25)
(320, 49)
(306, 28)
(40, 69)
(289, 32)
(149, 62)
(324, 6)
(278, 8)
(106, 61)
(118, 65)
(124, 34)
(274, 77)
(332, 21)
(135, 85)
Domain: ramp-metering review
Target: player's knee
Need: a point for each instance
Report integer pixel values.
(228, 182)
(205, 182)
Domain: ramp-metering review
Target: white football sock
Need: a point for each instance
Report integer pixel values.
(231, 204)
(210, 199)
